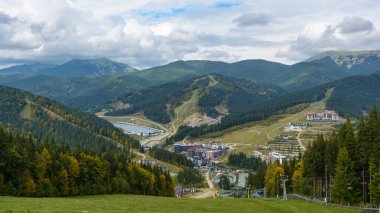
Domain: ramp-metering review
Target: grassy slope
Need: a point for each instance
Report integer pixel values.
(133, 203)
(257, 133)
(185, 110)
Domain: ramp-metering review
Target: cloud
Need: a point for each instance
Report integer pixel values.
(355, 24)
(252, 19)
(148, 33)
(4, 18)
(349, 34)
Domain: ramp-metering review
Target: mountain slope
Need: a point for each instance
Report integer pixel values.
(355, 95)
(215, 95)
(352, 62)
(89, 67)
(290, 77)
(82, 92)
(26, 69)
(46, 119)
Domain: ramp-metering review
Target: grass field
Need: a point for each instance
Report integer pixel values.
(185, 110)
(247, 136)
(257, 134)
(135, 203)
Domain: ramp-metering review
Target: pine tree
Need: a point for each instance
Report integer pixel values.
(345, 182)
(374, 185)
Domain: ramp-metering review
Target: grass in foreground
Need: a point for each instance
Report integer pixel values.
(135, 203)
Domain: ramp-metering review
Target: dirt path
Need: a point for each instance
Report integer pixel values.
(300, 142)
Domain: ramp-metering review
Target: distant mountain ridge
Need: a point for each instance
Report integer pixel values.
(26, 69)
(211, 95)
(352, 62)
(89, 67)
(89, 84)
(299, 76)
(72, 68)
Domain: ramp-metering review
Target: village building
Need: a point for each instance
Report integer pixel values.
(327, 115)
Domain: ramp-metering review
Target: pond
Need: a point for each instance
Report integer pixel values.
(135, 129)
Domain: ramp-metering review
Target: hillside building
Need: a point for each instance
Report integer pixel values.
(202, 154)
(327, 115)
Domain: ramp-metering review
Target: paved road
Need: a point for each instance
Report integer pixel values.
(152, 141)
(209, 182)
(242, 177)
(204, 194)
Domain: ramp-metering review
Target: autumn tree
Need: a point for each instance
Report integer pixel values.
(272, 178)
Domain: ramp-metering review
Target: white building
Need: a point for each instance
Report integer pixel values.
(273, 156)
(327, 115)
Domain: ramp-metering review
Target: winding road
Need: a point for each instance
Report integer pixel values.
(152, 141)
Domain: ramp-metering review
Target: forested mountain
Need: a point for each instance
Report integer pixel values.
(86, 93)
(88, 67)
(290, 77)
(212, 93)
(83, 84)
(351, 96)
(355, 95)
(46, 119)
(351, 62)
(26, 69)
(30, 167)
(73, 68)
(89, 84)
(257, 112)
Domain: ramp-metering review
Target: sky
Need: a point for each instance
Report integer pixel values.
(146, 33)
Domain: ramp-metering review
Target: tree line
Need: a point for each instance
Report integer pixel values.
(170, 157)
(241, 160)
(345, 165)
(30, 167)
(190, 177)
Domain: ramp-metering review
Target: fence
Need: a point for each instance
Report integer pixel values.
(368, 209)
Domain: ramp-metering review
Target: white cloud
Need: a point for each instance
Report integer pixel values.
(148, 33)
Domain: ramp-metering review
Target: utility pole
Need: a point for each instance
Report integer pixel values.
(362, 173)
(284, 179)
(314, 187)
(330, 187)
(248, 187)
(326, 184)
(278, 187)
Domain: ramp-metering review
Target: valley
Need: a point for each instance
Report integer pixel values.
(194, 129)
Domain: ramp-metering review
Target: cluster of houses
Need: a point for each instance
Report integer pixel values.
(295, 127)
(183, 192)
(327, 115)
(202, 154)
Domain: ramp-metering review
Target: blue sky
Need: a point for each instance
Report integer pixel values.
(145, 33)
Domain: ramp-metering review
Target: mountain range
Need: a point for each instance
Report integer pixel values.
(71, 69)
(211, 95)
(93, 84)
